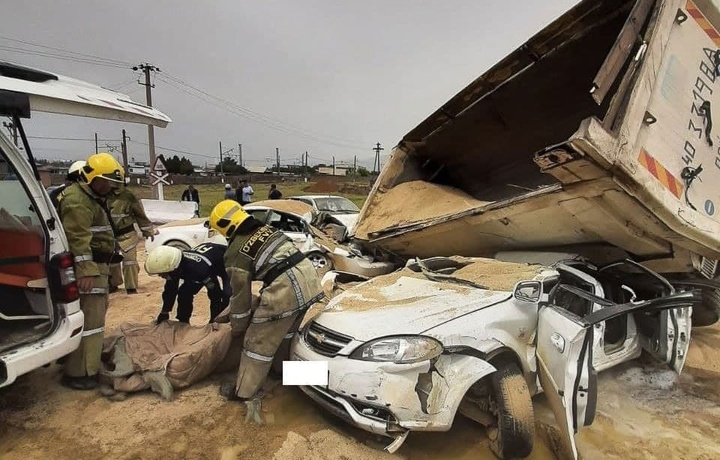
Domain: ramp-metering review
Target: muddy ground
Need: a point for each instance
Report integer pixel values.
(643, 412)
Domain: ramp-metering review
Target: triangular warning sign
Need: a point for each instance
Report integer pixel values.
(159, 165)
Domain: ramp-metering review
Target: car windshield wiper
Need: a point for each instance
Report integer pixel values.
(435, 276)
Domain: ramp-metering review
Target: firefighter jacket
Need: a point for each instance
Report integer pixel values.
(84, 216)
(258, 252)
(202, 264)
(125, 210)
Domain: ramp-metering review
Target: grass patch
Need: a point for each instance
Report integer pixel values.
(210, 195)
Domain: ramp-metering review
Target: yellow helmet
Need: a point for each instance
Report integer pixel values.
(163, 259)
(226, 216)
(102, 165)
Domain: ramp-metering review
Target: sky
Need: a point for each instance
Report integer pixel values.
(332, 78)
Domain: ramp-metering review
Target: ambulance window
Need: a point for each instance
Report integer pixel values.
(16, 209)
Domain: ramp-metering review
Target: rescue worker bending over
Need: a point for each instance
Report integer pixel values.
(73, 175)
(197, 267)
(126, 210)
(291, 285)
(84, 215)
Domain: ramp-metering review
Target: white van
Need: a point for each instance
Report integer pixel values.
(40, 317)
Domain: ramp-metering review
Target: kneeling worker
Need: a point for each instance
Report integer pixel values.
(197, 267)
(291, 285)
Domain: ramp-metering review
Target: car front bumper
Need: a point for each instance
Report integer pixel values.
(388, 398)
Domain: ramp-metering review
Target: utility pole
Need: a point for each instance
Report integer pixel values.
(125, 153)
(221, 162)
(355, 166)
(147, 68)
(240, 154)
(277, 159)
(377, 150)
(96, 144)
(333, 165)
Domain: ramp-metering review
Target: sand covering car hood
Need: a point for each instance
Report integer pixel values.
(406, 302)
(163, 357)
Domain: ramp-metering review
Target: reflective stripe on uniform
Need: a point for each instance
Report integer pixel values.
(290, 335)
(100, 228)
(287, 314)
(194, 254)
(269, 251)
(147, 228)
(119, 216)
(93, 331)
(129, 262)
(258, 357)
(83, 258)
(95, 290)
(241, 315)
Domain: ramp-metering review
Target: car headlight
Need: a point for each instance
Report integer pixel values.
(399, 350)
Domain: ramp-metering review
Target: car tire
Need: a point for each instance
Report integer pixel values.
(178, 244)
(513, 435)
(320, 261)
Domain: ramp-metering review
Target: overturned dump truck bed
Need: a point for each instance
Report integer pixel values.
(597, 133)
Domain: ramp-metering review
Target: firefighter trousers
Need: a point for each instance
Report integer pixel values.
(85, 360)
(130, 268)
(269, 331)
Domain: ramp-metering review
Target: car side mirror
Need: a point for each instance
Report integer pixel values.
(528, 291)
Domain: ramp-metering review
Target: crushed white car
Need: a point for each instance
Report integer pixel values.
(340, 208)
(290, 217)
(409, 350)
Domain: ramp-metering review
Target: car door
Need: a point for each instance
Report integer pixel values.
(564, 354)
(664, 334)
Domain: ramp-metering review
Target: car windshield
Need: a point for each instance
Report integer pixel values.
(336, 204)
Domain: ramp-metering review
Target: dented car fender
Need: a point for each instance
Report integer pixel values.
(442, 387)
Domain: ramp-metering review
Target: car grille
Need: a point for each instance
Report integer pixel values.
(324, 341)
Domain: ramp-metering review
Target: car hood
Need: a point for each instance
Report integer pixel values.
(405, 305)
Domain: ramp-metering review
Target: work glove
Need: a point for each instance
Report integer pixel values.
(163, 316)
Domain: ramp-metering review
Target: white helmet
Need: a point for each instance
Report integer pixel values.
(163, 259)
(76, 167)
(228, 186)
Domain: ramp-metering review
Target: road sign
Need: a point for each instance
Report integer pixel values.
(159, 166)
(159, 177)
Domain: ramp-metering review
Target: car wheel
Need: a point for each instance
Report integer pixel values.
(513, 434)
(320, 261)
(178, 244)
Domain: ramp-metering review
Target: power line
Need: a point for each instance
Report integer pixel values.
(72, 139)
(250, 114)
(61, 57)
(184, 152)
(75, 53)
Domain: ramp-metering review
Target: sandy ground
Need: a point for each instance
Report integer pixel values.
(643, 412)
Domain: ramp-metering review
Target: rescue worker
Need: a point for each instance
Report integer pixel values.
(291, 285)
(126, 210)
(197, 267)
(73, 175)
(85, 217)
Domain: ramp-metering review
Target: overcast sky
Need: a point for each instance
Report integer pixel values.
(339, 75)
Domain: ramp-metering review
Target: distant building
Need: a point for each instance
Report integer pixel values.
(338, 170)
(138, 169)
(256, 169)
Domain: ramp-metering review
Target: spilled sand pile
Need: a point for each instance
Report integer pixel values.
(413, 202)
